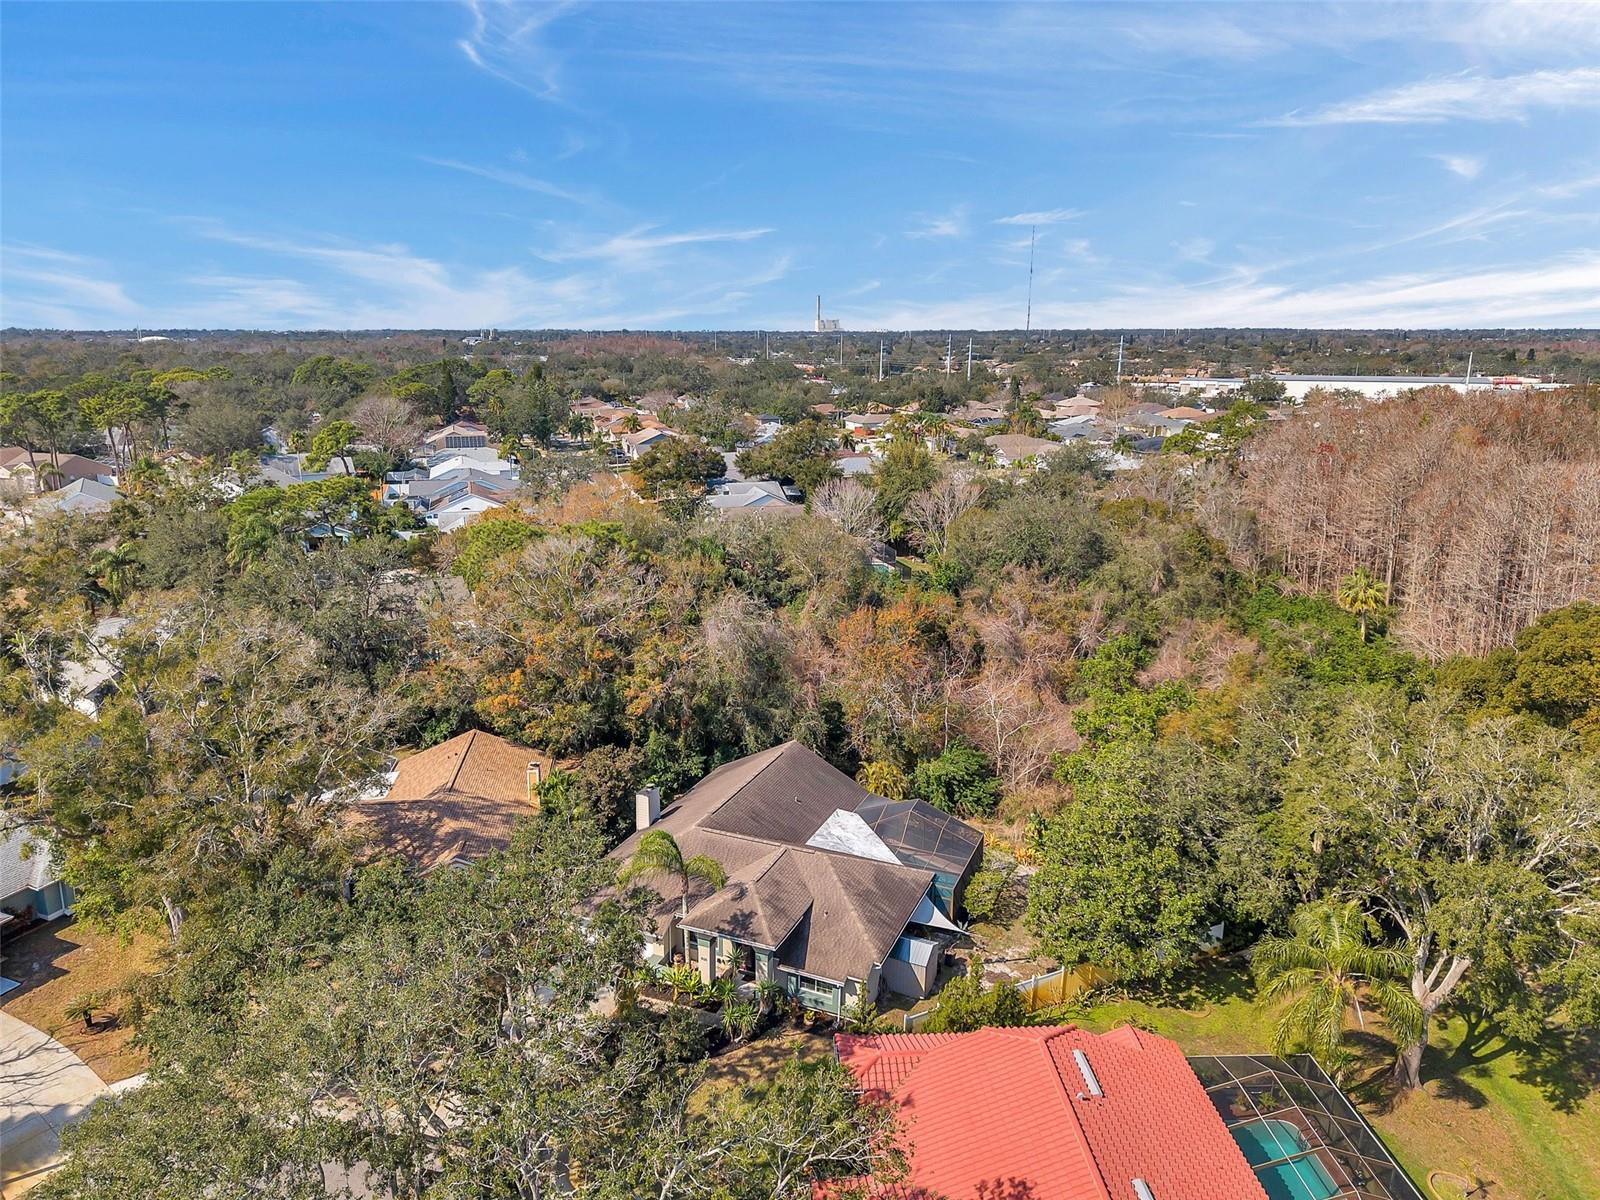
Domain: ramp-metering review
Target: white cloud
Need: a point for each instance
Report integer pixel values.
(946, 225)
(1461, 97)
(1562, 291)
(1570, 188)
(504, 40)
(47, 288)
(1465, 165)
(1195, 249)
(516, 179)
(640, 244)
(1049, 216)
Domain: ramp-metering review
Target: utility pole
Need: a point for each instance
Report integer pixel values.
(1469, 371)
(841, 354)
(1033, 231)
(1119, 359)
(969, 360)
(880, 360)
(949, 346)
(766, 344)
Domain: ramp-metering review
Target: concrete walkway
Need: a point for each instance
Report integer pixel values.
(43, 1088)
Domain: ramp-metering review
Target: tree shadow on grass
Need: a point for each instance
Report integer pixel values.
(1215, 981)
(1564, 1065)
(1373, 1085)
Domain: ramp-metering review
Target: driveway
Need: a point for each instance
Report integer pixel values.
(43, 1088)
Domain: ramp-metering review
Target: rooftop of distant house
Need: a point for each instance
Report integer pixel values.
(454, 802)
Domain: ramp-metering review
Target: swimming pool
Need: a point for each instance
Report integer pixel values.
(1268, 1141)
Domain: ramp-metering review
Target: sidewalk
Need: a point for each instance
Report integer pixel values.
(43, 1088)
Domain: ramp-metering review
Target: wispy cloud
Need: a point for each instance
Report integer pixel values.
(1570, 188)
(1047, 216)
(1461, 97)
(640, 243)
(48, 288)
(1562, 291)
(505, 40)
(940, 225)
(1465, 165)
(516, 179)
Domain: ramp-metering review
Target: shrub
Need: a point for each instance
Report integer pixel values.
(960, 781)
(739, 1020)
(986, 895)
(683, 1038)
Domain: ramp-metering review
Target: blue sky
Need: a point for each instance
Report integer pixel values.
(715, 166)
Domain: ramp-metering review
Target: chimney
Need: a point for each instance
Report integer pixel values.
(535, 778)
(647, 807)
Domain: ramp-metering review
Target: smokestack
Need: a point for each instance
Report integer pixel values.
(646, 807)
(535, 778)
(819, 312)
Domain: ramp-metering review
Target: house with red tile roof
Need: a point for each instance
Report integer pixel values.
(1050, 1113)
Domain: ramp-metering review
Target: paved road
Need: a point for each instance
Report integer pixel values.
(43, 1087)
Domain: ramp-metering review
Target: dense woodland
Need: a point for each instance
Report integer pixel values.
(1346, 658)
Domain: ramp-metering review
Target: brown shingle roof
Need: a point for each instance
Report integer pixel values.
(455, 801)
(834, 915)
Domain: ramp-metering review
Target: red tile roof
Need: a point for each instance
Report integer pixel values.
(1007, 1112)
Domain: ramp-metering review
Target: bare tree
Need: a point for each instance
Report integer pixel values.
(850, 505)
(389, 421)
(1479, 513)
(933, 511)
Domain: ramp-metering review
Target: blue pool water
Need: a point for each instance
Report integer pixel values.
(1303, 1178)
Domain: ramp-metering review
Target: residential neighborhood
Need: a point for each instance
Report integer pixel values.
(775, 602)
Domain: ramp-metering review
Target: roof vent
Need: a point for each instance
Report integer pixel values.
(1084, 1069)
(1142, 1190)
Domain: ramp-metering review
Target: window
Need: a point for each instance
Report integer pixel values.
(814, 993)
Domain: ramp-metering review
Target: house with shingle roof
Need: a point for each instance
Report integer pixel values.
(454, 802)
(831, 891)
(1051, 1113)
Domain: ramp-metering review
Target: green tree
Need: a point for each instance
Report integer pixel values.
(1361, 595)
(960, 780)
(1323, 969)
(333, 381)
(332, 440)
(658, 855)
(905, 469)
(679, 464)
(116, 568)
(1477, 841)
(802, 454)
(226, 740)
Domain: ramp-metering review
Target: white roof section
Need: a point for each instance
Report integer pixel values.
(849, 834)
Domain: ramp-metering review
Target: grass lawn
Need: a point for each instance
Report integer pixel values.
(62, 960)
(1524, 1120)
(758, 1060)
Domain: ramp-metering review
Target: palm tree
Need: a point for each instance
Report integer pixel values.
(1324, 968)
(883, 778)
(659, 854)
(114, 569)
(1360, 593)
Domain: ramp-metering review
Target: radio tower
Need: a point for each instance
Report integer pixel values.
(1033, 231)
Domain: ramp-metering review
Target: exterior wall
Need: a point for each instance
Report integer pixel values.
(905, 979)
(49, 901)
